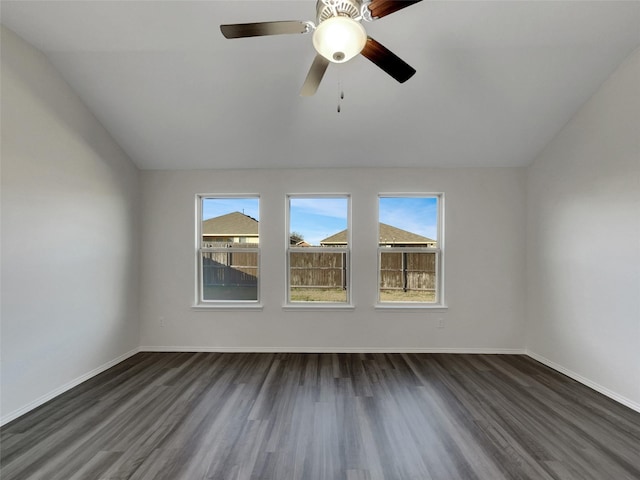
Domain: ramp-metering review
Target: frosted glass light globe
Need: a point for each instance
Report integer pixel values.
(339, 39)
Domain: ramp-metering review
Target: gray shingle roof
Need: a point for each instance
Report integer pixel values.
(388, 234)
(231, 224)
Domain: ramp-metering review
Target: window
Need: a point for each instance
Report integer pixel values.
(318, 239)
(410, 249)
(228, 249)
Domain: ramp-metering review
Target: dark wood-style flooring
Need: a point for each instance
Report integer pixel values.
(192, 416)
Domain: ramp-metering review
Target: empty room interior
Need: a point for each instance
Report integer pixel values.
(320, 240)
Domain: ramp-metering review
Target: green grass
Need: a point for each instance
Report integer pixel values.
(332, 295)
(410, 296)
(338, 295)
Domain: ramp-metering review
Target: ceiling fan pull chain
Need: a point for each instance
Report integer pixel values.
(341, 90)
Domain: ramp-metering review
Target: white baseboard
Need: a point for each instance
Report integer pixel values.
(468, 350)
(67, 386)
(585, 381)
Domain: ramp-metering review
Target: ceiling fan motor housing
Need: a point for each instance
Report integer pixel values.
(331, 8)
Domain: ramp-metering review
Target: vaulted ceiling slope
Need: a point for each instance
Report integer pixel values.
(495, 81)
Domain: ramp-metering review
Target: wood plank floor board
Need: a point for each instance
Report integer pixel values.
(511, 409)
(576, 435)
(290, 416)
(454, 422)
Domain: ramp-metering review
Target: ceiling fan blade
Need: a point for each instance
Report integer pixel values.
(240, 30)
(382, 8)
(316, 72)
(387, 60)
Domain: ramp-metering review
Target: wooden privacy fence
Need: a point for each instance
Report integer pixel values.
(318, 269)
(408, 271)
(399, 270)
(230, 269)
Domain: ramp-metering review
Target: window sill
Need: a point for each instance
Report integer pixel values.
(228, 307)
(409, 307)
(314, 307)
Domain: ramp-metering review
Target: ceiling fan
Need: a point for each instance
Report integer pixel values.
(338, 37)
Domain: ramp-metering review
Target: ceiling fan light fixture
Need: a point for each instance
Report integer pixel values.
(339, 39)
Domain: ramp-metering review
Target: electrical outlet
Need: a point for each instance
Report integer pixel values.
(440, 322)
(161, 321)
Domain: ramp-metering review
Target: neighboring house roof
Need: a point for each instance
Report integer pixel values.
(232, 224)
(388, 235)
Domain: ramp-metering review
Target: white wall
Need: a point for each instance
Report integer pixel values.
(484, 263)
(69, 241)
(583, 234)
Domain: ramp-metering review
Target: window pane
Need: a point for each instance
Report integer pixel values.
(230, 222)
(230, 276)
(318, 276)
(405, 223)
(318, 222)
(408, 277)
(408, 221)
(229, 225)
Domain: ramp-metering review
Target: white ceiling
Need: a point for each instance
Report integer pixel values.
(495, 81)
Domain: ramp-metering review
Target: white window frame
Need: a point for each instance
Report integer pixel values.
(296, 305)
(200, 302)
(439, 252)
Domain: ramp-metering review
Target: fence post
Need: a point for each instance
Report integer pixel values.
(344, 271)
(404, 272)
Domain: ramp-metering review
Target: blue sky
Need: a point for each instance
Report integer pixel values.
(414, 214)
(318, 218)
(215, 207)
